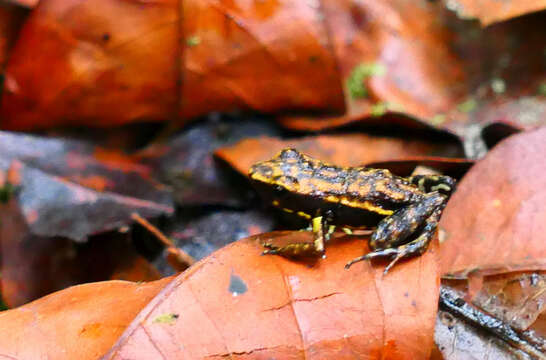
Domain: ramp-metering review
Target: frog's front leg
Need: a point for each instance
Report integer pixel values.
(321, 231)
(394, 230)
(430, 183)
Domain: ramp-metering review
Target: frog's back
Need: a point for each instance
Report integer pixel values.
(354, 195)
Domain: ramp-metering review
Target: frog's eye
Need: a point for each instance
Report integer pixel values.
(289, 153)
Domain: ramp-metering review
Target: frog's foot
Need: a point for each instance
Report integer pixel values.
(291, 250)
(318, 224)
(413, 248)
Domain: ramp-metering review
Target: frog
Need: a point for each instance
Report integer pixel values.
(403, 211)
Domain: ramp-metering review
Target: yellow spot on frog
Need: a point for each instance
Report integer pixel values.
(304, 215)
(497, 203)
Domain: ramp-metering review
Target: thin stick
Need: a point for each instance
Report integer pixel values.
(182, 260)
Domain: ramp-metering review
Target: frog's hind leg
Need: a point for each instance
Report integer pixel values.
(395, 229)
(318, 225)
(415, 247)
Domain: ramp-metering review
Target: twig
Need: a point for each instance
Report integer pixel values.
(177, 258)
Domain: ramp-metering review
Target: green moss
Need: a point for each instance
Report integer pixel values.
(193, 41)
(379, 109)
(542, 89)
(438, 119)
(360, 73)
(6, 192)
(468, 105)
(166, 318)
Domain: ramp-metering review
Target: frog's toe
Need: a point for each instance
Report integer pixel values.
(371, 255)
(270, 249)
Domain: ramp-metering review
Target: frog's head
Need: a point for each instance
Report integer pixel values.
(279, 174)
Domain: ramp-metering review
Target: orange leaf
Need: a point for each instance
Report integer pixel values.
(343, 150)
(238, 303)
(81, 322)
(497, 215)
(115, 62)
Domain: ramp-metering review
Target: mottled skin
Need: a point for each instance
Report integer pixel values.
(405, 211)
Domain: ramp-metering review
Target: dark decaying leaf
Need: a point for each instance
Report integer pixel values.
(73, 189)
(254, 307)
(343, 150)
(496, 216)
(491, 11)
(186, 162)
(34, 265)
(199, 232)
(81, 322)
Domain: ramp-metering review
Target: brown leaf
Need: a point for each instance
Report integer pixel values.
(267, 55)
(491, 11)
(497, 215)
(419, 78)
(81, 322)
(91, 64)
(11, 18)
(114, 62)
(343, 150)
(250, 306)
(33, 266)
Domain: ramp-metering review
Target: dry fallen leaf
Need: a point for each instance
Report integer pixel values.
(343, 150)
(113, 62)
(244, 305)
(81, 322)
(251, 306)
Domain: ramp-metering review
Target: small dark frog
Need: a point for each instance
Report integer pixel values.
(405, 211)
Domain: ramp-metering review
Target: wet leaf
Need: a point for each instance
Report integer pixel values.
(33, 266)
(496, 215)
(417, 79)
(289, 310)
(343, 150)
(73, 189)
(491, 11)
(81, 322)
(105, 69)
(501, 83)
(266, 56)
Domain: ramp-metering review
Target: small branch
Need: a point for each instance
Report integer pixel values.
(177, 258)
